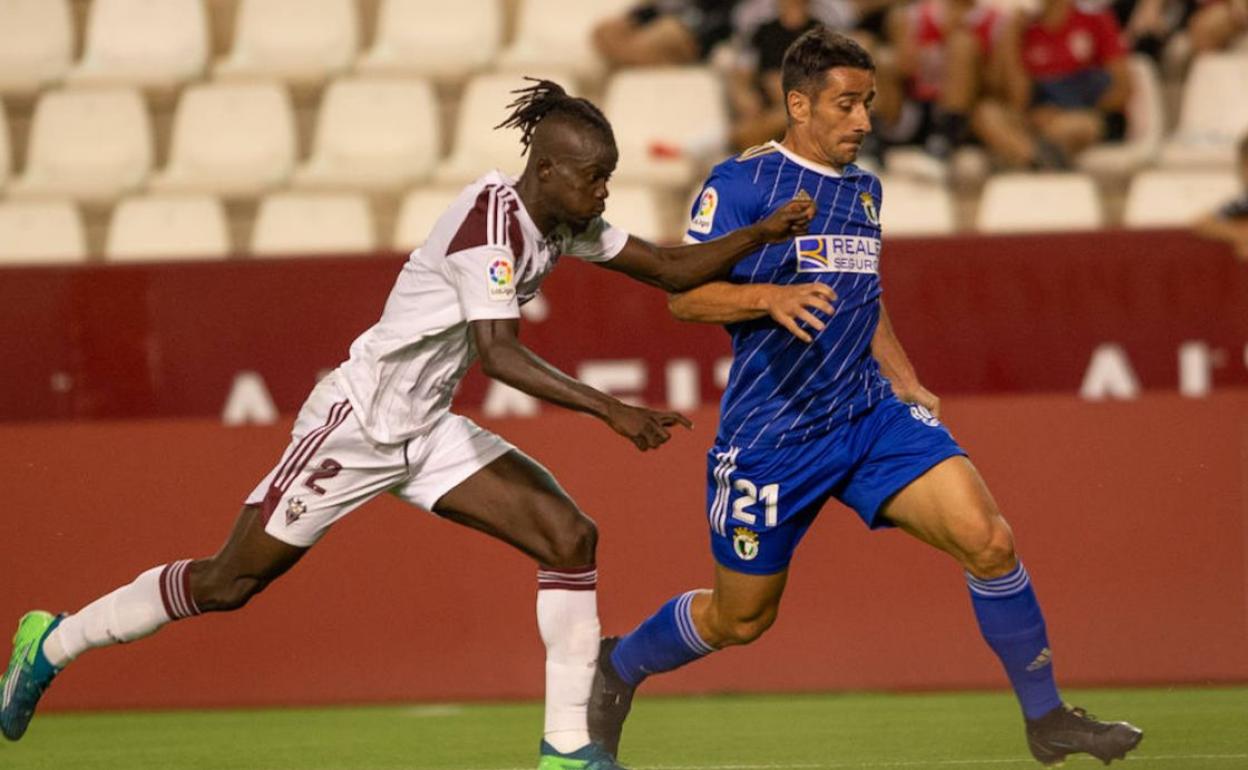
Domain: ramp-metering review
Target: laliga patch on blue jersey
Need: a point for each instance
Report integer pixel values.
(837, 254)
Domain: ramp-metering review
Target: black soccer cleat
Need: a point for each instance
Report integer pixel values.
(1069, 730)
(610, 700)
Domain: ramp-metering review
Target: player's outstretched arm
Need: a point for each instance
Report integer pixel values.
(679, 268)
(791, 305)
(895, 364)
(503, 358)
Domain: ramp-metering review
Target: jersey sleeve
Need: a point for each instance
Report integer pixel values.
(600, 241)
(727, 202)
(485, 282)
(1109, 45)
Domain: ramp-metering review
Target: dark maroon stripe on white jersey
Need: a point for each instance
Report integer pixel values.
(309, 444)
(315, 447)
(303, 442)
(474, 231)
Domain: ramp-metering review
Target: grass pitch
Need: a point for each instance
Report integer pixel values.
(1184, 728)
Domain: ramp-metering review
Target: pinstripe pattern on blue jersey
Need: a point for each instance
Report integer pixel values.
(780, 390)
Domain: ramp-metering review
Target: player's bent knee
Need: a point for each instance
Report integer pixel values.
(994, 555)
(573, 544)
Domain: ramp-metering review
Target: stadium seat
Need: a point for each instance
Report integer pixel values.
(555, 34)
(6, 160)
(1177, 198)
(420, 210)
(1145, 127)
(374, 135)
(150, 43)
(295, 40)
(912, 207)
(36, 44)
(638, 210)
(443, 41)
(1038, 202)
(230, 139)
(1213, 115)
(477, 147)
(41, 232)
(88, 145)
(163, 228)
(678, 111)
(295, 224)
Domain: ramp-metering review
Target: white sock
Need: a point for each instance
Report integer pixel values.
(567, 615)
(131, 612)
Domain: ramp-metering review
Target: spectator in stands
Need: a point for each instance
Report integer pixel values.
(940, 52)
(1230, 223)
(754, 84)
(665, 32)
(1065, 83)
(1216, 24)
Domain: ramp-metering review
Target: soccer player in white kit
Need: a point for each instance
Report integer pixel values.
(381, 422)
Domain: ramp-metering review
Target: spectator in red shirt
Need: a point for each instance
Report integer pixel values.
(940, 49)
(1066, 83)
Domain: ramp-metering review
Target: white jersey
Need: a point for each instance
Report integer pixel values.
(484, 258)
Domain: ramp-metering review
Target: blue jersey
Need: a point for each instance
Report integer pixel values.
(782, 391)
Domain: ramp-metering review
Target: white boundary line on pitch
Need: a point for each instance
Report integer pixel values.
(917, 763)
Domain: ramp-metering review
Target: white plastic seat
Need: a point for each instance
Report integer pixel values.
(477, 146)
(1213, 115)
(1145, 126)
(374, 134)
(677, 107)
(420, 210)
(1177, 198)
(170, 227)
(87, 145)
(36, 44)
(555, 34)
(151, 43)
(1038, 202)
(296, 40)
(913, 207)
(41, 232)
(6, 160)
(290, 224)
(230, 139)
(444, 41)
(638, 210)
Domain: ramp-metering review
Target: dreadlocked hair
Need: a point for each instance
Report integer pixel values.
(546, 97)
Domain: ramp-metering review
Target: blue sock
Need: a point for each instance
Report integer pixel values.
(1012, 624)
(664, 641)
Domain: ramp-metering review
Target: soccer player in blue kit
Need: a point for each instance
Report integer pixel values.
(822, 402)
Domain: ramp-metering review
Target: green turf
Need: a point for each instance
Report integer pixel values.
(1185, 728)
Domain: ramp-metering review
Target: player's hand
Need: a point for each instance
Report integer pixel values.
(646, 428)
(790, 220)
(917, 394)
(791, 303)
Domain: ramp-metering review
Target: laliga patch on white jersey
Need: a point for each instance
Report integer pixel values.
(501, 277)
(704, 217)
(837, 254)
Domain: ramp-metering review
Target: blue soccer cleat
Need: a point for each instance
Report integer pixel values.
(28, 675)
(589, 757)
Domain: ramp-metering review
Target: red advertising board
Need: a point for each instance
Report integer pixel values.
(1105, 314)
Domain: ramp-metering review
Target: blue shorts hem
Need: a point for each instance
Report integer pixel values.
(874, 520)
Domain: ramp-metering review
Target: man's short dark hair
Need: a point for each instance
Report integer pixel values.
(818, 50)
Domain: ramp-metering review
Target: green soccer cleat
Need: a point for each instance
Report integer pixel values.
(28, 675)
(592, 756)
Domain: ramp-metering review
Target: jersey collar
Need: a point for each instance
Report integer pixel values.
(848, 171)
